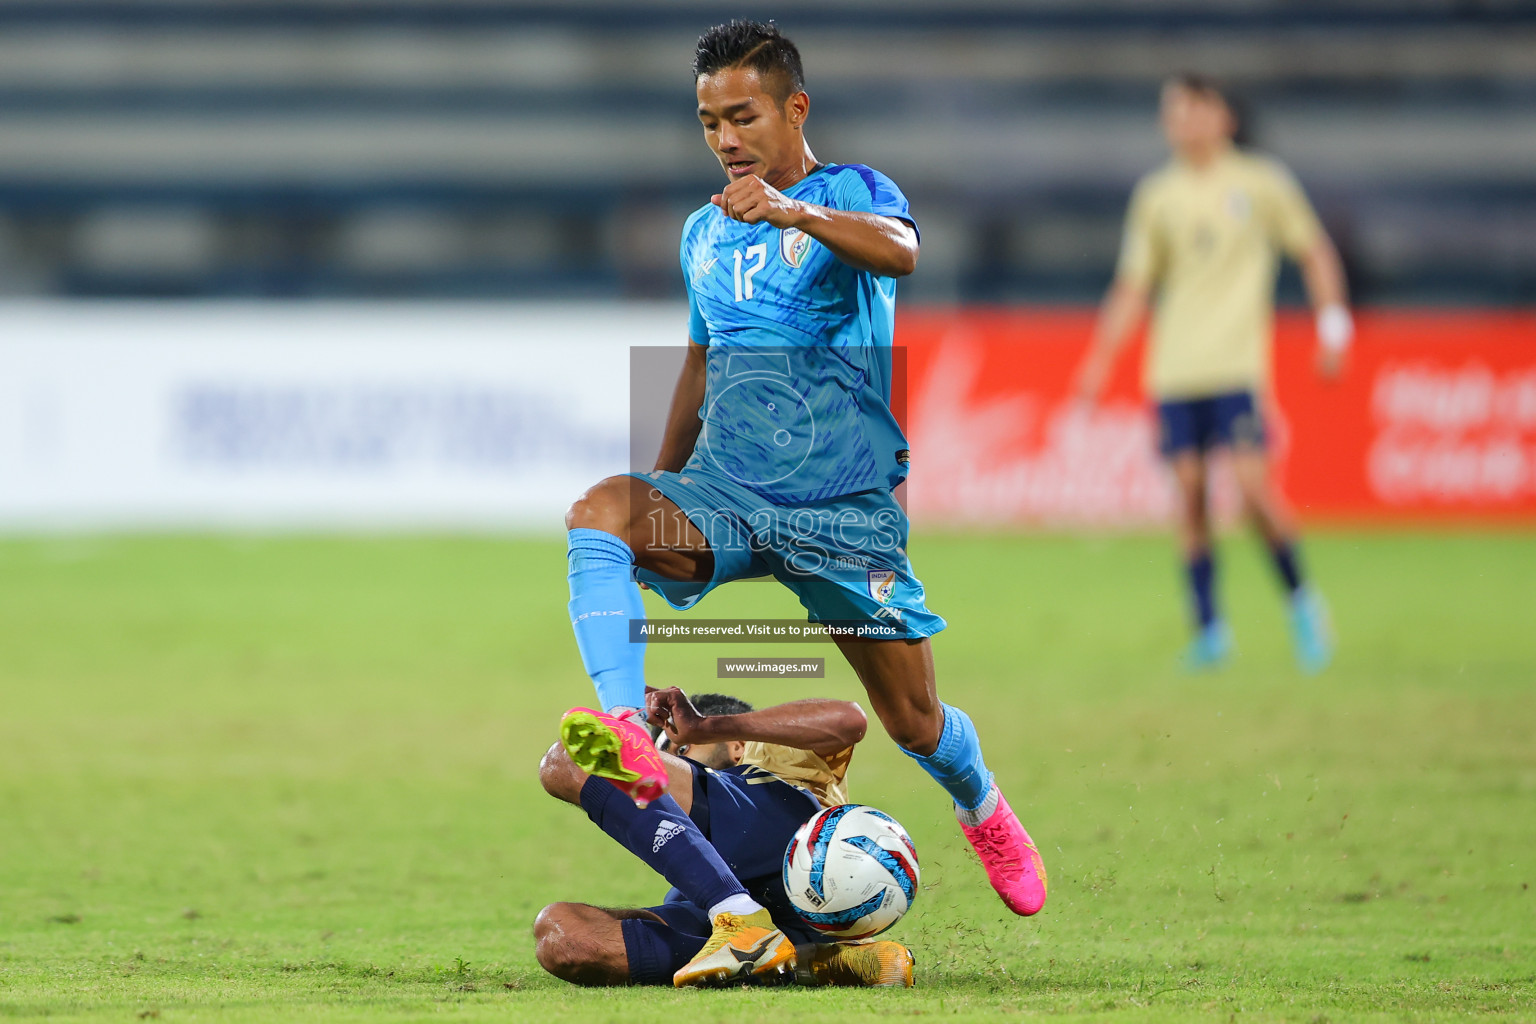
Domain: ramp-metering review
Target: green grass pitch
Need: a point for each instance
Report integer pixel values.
(294, 779)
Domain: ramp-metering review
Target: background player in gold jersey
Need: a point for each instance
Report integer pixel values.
(745, 780)
(1203, 233)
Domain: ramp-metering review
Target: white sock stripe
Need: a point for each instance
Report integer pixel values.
(986, 810)
(741, 905)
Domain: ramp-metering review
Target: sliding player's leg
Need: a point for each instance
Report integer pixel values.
(619, 524)
(583, 944)
(1310, 629)
(663, 835)
(589, 945)
(1213, 641)
(899, 678)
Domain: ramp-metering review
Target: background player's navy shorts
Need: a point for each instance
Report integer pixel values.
(845, 558)
(1200, 424)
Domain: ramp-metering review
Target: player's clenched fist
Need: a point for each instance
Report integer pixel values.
(673, 711)
(752, 200)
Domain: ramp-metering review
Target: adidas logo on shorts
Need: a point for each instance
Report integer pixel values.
(666, 830)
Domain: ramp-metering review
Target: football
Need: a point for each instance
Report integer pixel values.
(851, 871)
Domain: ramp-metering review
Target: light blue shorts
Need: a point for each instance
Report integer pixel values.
(844, 558)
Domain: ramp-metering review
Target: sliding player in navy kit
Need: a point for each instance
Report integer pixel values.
(745, 780)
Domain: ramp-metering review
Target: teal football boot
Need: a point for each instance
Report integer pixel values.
(1210, 648)
(1311, 632)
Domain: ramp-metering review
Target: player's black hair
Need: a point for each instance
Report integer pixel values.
(758, 45)
(1214, 88)
(719, 704)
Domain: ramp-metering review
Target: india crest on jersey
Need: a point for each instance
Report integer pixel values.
(793, 245)
(882, 582)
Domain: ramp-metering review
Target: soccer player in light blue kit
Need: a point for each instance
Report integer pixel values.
(779, 458)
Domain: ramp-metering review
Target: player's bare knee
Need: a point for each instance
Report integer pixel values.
(1194, 522)
(1192, 505)
(916, 732)
(564, 947)
(560, 777)
(558, 923)
(548, 921)
(1259, 504)
(552, 938)
(604, 506)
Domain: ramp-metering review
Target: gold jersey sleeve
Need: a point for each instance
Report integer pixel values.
(1140, 260)
(826, 777)
(1207, 241)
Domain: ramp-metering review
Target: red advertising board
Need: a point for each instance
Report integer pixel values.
(1434, 418)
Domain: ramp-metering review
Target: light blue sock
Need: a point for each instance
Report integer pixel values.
(956, 764)
(604, 600)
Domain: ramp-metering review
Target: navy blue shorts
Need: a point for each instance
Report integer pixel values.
(1200, 424)
(749, 817)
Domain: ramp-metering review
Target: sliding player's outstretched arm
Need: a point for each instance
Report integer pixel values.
(820, 726)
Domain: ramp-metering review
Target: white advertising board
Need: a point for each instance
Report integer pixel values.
(325, 415)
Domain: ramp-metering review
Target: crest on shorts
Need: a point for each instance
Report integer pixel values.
(793, 245)
(882, 583)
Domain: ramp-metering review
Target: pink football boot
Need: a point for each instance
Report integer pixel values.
(617, 748)
(1013, 864)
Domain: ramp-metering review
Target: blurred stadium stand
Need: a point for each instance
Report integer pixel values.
(459, 148)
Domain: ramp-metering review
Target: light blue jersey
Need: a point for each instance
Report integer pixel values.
(798, 386)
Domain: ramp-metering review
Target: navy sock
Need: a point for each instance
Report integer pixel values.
(1287, 565)
(666, 839)
(656, 950)
(1202, 587)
